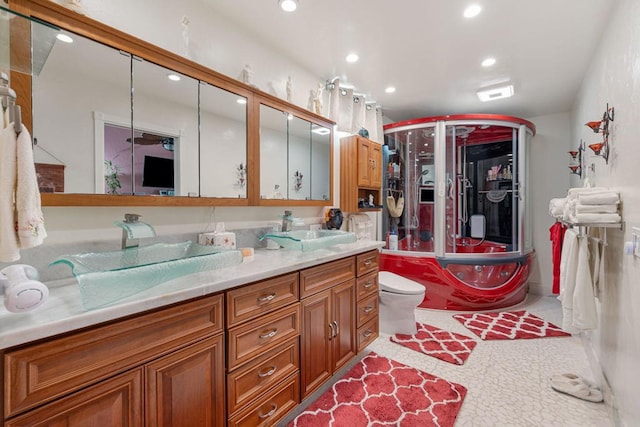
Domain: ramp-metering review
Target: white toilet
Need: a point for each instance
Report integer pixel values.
(399, 298)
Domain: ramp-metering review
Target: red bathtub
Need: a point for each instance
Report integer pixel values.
(463, 283)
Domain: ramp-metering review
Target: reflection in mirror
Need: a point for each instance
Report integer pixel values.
(299, 155)
(273, 153)
(320, 162)
(165, 119)
(74, 82)
(223, 143)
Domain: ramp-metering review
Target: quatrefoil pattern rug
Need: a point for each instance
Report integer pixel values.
(444, 345)
(382, 392)
(509, 325)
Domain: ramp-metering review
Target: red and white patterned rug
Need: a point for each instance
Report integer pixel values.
(444, 345)
(509, 325)
(382, 392)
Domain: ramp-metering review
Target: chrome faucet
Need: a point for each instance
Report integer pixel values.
(133, 229)
(287, 221)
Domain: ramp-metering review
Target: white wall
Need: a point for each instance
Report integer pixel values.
(614, 78)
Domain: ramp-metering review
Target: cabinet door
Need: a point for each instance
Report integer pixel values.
(375, 152)
(364, 163)
(186, 388)
(343, 314)
(115, 402)
(316, 335)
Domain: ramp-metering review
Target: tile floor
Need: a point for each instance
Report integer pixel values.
(507, 381)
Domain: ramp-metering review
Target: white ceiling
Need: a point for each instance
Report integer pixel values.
(432, 54)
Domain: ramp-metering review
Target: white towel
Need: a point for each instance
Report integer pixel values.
(574, 193)
(603, 198)
(596, 208)
(8, 238)
(29, 218)
(609, 218)
(556, 207)
(568, 270)
(585, 315)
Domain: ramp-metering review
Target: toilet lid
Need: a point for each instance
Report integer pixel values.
(396, 284)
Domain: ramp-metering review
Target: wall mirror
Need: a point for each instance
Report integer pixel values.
(274, 176)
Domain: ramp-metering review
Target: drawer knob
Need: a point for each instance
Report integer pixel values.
(368, 309)
(269, 334)
(267, 297)
(272, 370)
(367, 263)
(368, 284)
(274, 408)
(367, 333)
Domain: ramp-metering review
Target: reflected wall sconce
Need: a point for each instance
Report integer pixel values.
(577, 158)
(602, 126)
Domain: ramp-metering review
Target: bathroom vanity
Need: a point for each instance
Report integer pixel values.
(232, 346)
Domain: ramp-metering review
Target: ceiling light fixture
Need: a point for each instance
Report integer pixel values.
(497, 92)
(489, 62)
(288, 5)
(352, 57)
(472, 10)
(173, 77)
(390, 89)
(64, 38)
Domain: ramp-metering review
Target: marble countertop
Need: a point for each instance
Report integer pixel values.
(63, 311)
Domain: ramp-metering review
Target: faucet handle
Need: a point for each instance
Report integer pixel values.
(131, 217)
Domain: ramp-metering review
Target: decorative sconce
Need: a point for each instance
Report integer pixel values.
(241, 173)
(602, 126)
(576, 160)
(297, 184)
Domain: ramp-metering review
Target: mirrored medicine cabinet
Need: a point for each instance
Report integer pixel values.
(117, 121)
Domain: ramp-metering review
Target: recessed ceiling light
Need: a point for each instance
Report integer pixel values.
(64, 38)
(242, 100)
(472, 10)
(489, 62)
(352, 57)
(390, 89)
(173, 77)
(288, 5)
(497, 92)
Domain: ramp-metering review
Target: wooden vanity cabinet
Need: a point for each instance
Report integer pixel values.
(360, 173)
(160, 368)
(368, 297)
(328, 321)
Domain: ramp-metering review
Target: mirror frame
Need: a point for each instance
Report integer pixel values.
(52, 13)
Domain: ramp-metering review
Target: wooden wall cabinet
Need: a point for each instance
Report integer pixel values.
(328, 321)
(360, 173)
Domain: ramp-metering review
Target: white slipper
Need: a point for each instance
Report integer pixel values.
(577, 388)
(572, 377)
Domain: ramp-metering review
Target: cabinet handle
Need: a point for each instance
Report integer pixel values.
(367, 263)
(274, 408)
(368, 284)
(368, 309)
(336, 328)
(367, 333)
(270, 334)
(271, 371)
(332, 333)
(267, 297)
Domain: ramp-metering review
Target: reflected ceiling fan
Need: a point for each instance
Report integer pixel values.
(168, 143)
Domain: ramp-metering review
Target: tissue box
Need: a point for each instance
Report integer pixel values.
(226, 239)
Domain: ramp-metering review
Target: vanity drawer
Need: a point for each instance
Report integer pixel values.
(45, 371)
(252, 339)
(367, 333)
(367, 309)
(248, 382)
(321, 277)
(367, 262)
(249, 302)
(367, 285)
(274, 405)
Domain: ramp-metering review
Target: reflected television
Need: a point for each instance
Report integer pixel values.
(157, 172)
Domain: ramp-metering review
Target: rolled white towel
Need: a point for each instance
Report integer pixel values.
(598, 218)
(574, 193)
(596, 208)
(605, 198)
(556, 207)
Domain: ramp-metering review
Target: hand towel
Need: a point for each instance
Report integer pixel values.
(596, 208)
(568, 270)
(9, 251)
(584, 314)
(29, 218)
(608, 218)
(604, 198)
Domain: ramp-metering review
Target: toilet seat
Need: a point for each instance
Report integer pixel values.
(393, 283)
